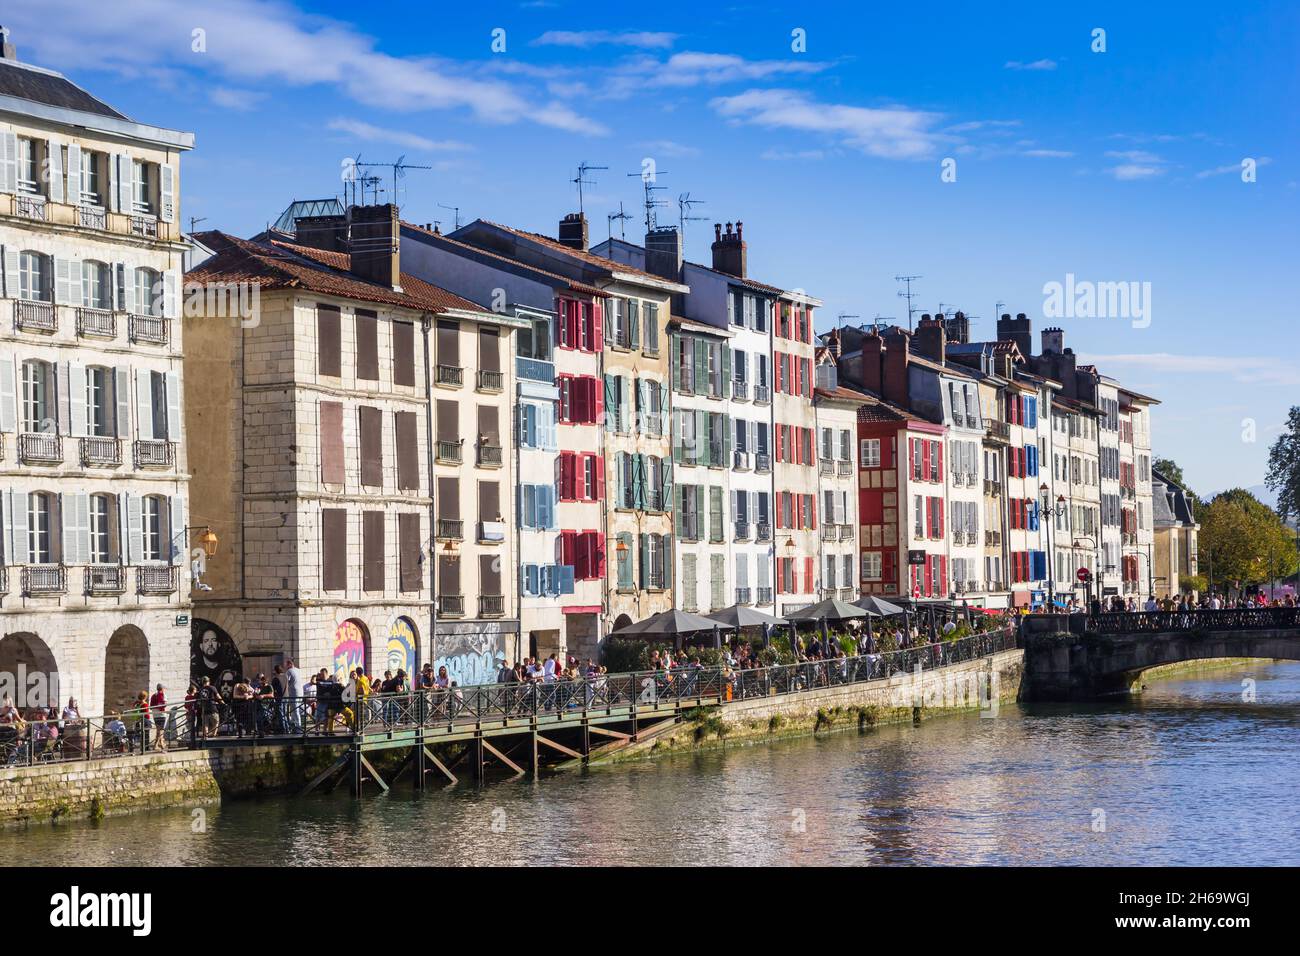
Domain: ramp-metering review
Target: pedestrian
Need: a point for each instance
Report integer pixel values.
(158, 704)
(294, 692)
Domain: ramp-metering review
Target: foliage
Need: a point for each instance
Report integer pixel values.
(623, 654)
(1192, 582)
(885, 639)
(1174, 472)
(1284, 468)
(1242, 540)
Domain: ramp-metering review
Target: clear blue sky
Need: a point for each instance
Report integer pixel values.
(1120, 165)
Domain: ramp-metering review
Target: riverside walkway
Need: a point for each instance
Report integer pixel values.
(511, 725)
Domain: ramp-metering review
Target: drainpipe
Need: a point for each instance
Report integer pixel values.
(426, 321)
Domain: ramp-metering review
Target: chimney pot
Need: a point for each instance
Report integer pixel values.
(573, 231)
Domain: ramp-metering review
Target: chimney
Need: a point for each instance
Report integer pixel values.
(1018, 330)
(893, 370)
(573, 231)
(931, 339)
(833, 346)
(322, 232)
(375, 244)
(873, 358)
(958, 328)
(1053, 341)
(729, 253)
(7, 50)
(663, 253)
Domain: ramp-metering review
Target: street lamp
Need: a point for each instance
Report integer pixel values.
(1051, 514)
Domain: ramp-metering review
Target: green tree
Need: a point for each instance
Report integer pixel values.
(1244, 540)
(1284, 467)
(1174, 472)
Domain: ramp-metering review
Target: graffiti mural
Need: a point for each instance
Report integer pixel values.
(349, 648)
(471, 658)
(213, 654)
(402, 644)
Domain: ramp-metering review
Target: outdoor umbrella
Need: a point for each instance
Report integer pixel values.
(877, 606)
(739, 616)
(667, 624)
(831, 610)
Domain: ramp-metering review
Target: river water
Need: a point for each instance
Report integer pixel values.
(1188, 774)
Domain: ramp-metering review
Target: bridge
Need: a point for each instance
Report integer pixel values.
(1084, 657)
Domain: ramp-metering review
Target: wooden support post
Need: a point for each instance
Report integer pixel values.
(519, 771)
(325, 774)
(539, 739)
(356, 770)
(420, 768)
(374, 774)
(428, 755)
(476, 758)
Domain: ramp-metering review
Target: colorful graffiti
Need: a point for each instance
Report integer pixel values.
(349, 648)
(402, 645)
(471, 658)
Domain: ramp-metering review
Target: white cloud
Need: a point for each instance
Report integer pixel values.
(894, 133)
(689, 69)
(1230, 168)
(1246, 369)
(231, 99)
(1035, 65)
(272, 42)
(668, 147)
(1139, 164)
(367, 131)
(1048, 153)
(584, 39)
(779, 155)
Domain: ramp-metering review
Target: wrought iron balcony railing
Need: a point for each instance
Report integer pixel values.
(155, 453)
(763, 531)
(742, 530)
(744, 596)
(739, 390)
(451, 375)
(762, 394)
(740, 460)
(151, 329)
(100, 322)
(843, 468)
(451, 605)
(490, 455)
(449, 452)
(763, 596)
(491, 605)
(34, 316)
(762, 462)
(45, 579)
(105, 579)
(449, 529)
(146, 226)
(30, 207)
(826, 466)
(40, 448)
(100, 450)
(491, 381)
(155, 579)
(92, 217)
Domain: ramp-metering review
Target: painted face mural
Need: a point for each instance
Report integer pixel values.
(401, 647)
(349, 649)
(212, 654)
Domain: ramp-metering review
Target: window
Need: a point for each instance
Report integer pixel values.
(29, 167)
(96, 285)
(534, 342)
(92, 165)
(148, 292)
(99, 407)
(35, 277)
(153, 535)
(38, 396)
(40, 510)
(143, 177)
(650, 337)
(870, 566)
(101, 529)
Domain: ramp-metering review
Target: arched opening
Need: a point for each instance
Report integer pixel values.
(213, 655)
(126, 668)
(28, 672)
(621, 621)
(351, 638)
(403, 649)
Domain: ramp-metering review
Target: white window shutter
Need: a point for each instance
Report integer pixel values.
(125, 197)
(171, 308)
(62, 295)
(54, 168)
(167, 194)
(77, 399)
(12, 285)
(16, 521)
(176, 529)
(79, 516)
(110, 195)
(8, 162)
(122, 394)
(8, 395)
(133, 527)
(144, 403)
(173, 406)
(62, 381)
(74, 174)
(68, 521)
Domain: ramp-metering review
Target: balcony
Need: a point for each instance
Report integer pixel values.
(744, 596)
(491, 381)
(972, 421)
(451, 605)
(41, 579)
(739, 390)
(92, 217)
(155, 453)
(100, 322)
(449, 452)
(452, 376)
(848, 594)
(846, 532)
(829, 532)
(959, 587)
(992, 538)
(535, 370)
(105, 579)
(762, 395)
(491, 605)
(31, 316)
(826, 466)
(763, 531)
(992, 488)
(150, 329)
(742, 530)
(740, 460)
(155, 579)
(30, 207)
(843, 468)
(491, 532)
(97, 450)
(762, 462)
(146, 226)
(40, 448)
(764, 596)
(654, 499)
(490, 454)
(828, 594)
(690, 527)
(449, 529)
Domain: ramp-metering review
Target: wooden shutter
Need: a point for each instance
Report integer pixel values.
(489, 575)
(403, 353)
(489, 501)
(489, 424)
(406, 425)
(489, 348)
(448, 420)
(334, 549)
(449, 576)
(367, 326)
(331, 443)
(448, 342)
(372, 551)
(329, 339)
(371, 426)
(409, 567)
(167, 194)
(449, 498)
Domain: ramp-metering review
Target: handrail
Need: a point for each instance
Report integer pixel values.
(1232, 619)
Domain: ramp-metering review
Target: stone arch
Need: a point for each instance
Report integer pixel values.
(214, 655)
(126, 668)
(350, 647)
(28, 671)
(621, 621)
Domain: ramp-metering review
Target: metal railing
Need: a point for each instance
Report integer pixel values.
(451, 375)
(490, 455)
(848, 594)
(846, 532)
(155, 579)
(154, 453)
(33, 316)
(742, 530)
(739, 390)
(993, 488)
(843, 468)
(449, 452)
(992, 538)
(45, 579)
(744, 596)
(1226, 619)
(535, 370)
(99, 450)
(491, 605)
(762, 394)
(451, 605)
(826, 466)
(146, 226)
(763, 531)
(92, 217)
(740, 460)
(30, 207)
(763, 596)
(40, 448)
(491, 381)
(449, 529)
(151, 329)
(105, 579)
(100, 322)
(762, 462)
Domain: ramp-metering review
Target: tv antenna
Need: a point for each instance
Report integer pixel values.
(908, 280)
(580, 180)
(684, 204)
(622, 217)
(650, 202)
(195, 220)
(399, 169)
(839, 319)
(455, 213)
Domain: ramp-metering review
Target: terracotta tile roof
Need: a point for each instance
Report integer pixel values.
(283, 265)
(842, 394)
(741, 280)
(600, 262)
